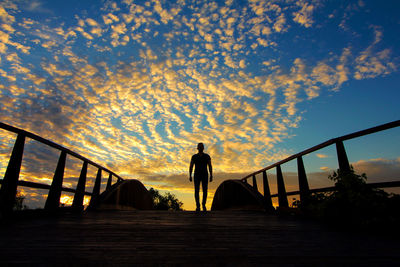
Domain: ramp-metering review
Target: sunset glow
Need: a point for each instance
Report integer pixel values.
(135, 85)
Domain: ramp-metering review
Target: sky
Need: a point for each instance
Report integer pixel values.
(135, 85)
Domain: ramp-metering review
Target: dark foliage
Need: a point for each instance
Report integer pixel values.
(353, 203)
(19, 202)
(165, 202)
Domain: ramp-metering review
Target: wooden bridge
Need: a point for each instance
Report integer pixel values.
(224, 236)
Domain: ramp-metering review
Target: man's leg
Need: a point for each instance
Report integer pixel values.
(196, 192)
(204, 183)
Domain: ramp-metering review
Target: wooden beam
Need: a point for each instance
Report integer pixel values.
(44, 186)
(303, 183)
(96, 190)
(282, 196)
(255, 183)
(53, 198)
(332, 188)
(344, 165)
(267, 192)
(80, 188)
(8, 189)
(109, 181)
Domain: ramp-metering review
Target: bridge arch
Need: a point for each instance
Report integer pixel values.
(235, 194)
(126, 195)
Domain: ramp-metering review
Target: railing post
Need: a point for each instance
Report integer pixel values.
(303, 183)
(255, 183)
(282, 197)
(8, 189)
(80, 189)
(53, 198)
(267, 192)
(344, 165)
(109, 181)
(96, 190)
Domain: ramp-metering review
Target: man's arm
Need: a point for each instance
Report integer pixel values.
(190, 170)
(210, 169)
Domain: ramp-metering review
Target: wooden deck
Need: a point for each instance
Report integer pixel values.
(231, 238)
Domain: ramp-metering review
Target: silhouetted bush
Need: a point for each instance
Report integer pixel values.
(353, 203)
(165, 202)
(19, 202)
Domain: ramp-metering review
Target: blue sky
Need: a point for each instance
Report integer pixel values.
(135, 85)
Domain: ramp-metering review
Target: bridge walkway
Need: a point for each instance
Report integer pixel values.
(233, 238)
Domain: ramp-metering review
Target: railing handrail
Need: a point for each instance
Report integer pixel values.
(44, 186)
(375, 129)
(11, 181)
(333, 188)
(55, 145)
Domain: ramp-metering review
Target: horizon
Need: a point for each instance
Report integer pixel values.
(135, 85)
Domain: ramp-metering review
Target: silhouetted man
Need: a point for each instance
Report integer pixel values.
(200, 160)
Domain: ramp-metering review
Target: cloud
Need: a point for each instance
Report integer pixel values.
(5, 40)
(117, 30)
(165, 16)
(5, 16)
(342, 69)
(371, 65)
(36, 6)
(325, 74)
(92, 22)
(379, 169)
(304, 15)
(280, 23)
(8, 28)
(262, 42)
(4, 37)
(110, 18)
(85, 34)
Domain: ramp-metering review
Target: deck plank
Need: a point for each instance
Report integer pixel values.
(231, 238)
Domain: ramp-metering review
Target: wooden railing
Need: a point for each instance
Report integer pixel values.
(11, 181)
(304, 190)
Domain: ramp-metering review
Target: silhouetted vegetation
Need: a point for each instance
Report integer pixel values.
(19, 202)
(353, 203)
(165, 202)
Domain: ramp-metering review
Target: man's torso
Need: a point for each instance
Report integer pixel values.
(200, 162)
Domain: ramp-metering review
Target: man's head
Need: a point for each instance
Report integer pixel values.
(200, 147)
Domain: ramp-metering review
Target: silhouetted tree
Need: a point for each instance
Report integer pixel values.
(353, 203)
(19, 202)
(165, 202)
(353, 199)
